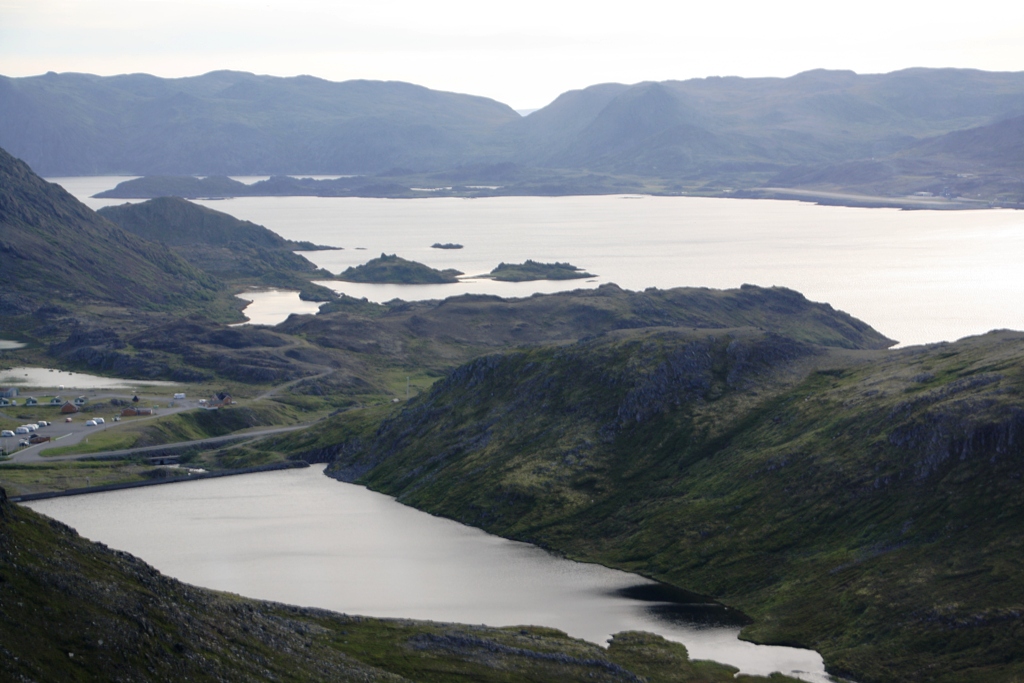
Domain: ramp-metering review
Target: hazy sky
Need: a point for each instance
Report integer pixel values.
(522, 53)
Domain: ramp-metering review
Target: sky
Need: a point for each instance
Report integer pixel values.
(523, 53)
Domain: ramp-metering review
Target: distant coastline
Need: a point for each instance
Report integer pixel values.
(190, 187)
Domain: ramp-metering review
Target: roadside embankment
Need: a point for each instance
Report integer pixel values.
(287, 465)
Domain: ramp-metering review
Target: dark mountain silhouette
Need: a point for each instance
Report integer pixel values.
(704, 136)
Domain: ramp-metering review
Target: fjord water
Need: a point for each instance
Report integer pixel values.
(298, 537)
(916, 276)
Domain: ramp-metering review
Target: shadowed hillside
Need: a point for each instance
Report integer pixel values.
(865, 504)
(56, 250)
(221, 245)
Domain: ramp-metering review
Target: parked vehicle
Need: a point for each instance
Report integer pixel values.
(23, 442)
(90, 423)
(179, 396)
(43, 423)
(67, 419)
(6, 433)
(32, 427)
(21, 430)
(99, 420)
(38, 438)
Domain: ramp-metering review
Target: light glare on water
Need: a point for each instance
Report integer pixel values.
(915, 276)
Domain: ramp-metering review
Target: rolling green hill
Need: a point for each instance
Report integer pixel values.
(863, 503)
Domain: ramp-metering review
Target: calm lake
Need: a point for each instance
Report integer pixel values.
(916, 276)
(298, 537)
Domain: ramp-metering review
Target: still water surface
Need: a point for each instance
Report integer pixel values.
(916, 276)
(45, 378)
(299, 537)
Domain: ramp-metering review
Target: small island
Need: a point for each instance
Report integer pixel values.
(532, 270)
(446, 245)
(394, 270)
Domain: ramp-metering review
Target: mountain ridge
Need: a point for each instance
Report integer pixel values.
(702, 136)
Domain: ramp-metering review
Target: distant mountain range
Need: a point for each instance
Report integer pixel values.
(939, 132)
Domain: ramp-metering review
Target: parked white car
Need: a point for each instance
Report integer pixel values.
(22, 430)
(90, 423)
(5, 433)
(99, 420)
(32, 427)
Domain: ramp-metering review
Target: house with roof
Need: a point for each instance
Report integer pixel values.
(56, 401)
(7, 402)
(8, 392)
(31, 401)
(220, 399)
(68, 407)
(80, 401)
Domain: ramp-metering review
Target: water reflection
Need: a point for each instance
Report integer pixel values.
(682, 608)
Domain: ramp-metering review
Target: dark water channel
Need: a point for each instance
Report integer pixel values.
(298, 537)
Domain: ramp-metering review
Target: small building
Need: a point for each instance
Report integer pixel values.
(56, 401)
(68, 407)
(80, 401)
(8, 392)
(133, 411)
(7, 402)
(31, 401)
(221, 399)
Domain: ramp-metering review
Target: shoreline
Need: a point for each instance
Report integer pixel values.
(272, 467)
(822, 197)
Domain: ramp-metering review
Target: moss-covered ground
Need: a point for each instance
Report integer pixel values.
(863, 504)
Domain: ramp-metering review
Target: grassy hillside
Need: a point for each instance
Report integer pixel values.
(220, 244)
(55, 249)
(862, 503)
(72, 610)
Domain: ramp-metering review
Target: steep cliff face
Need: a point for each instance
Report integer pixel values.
(862, 503)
